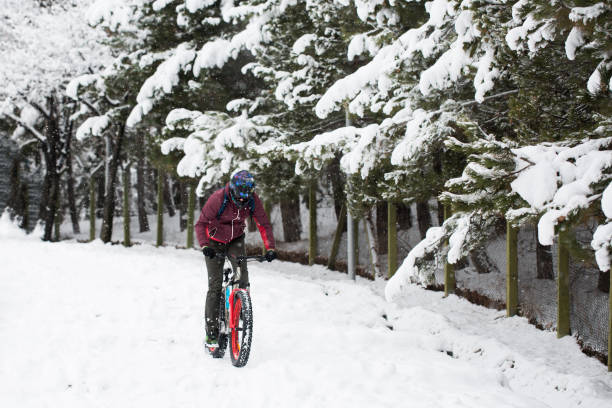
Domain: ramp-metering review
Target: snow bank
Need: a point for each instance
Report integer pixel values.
(9, 229)
(127, 330)
(408, 272)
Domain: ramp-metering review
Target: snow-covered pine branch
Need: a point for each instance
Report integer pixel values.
(216, 144)
(602, 239)
(93, 126)
(537, 24)
(570, 178)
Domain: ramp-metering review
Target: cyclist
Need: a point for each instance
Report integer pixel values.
(220, 228)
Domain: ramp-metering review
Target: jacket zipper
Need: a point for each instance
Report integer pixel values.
(237, 216)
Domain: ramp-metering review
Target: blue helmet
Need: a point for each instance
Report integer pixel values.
(242, 186)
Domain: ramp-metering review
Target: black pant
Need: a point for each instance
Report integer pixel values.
(215, 280)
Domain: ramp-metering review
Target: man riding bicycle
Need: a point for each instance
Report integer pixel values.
(220, 229)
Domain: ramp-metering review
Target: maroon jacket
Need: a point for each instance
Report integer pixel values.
(231, 223)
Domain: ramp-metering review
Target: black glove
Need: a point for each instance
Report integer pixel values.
(270, 255)
(209, 252)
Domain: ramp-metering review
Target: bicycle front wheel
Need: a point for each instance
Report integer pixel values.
(241, 328)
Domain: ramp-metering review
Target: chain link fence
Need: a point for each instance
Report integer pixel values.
(538, 296)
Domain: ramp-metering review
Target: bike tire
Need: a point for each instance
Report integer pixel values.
(241, 335)
(219, 352)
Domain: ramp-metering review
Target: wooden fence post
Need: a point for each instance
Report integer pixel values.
(160, 207)
(92, 209)
(190, 213)
(126, 207)
(449, 270)
(312, 230)
(511, 270)
(331, 263)
(391, 238)
(563, 296)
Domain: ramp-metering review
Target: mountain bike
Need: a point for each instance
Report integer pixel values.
(235, 313)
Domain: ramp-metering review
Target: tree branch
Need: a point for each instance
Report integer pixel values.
(90, 106)
(42, 110)
(27, 143)
(27, 127)
(95, 170)
(112, 102)
(491, 97)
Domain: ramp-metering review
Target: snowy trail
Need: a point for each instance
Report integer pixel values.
(92, 325)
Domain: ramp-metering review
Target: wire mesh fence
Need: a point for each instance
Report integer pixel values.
(589, 306)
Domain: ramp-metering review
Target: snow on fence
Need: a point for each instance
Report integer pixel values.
(537, 297)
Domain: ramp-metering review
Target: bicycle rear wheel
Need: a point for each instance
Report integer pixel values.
(241, 328)
(219, 352)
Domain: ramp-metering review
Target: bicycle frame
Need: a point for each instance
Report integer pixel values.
(231, 280)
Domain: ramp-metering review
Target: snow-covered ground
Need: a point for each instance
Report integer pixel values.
(94, 325)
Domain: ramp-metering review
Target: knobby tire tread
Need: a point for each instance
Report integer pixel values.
(247, 316)
(222, 337)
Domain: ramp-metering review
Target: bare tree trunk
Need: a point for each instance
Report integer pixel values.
(13, 202)
(92, 208)
(312, 223)
(74, 215)
(44, 197)
(381, 227)
(440, 213)
(127, 190)
(143, 221)
(331, 262)
(168, 201)
(109, 200)
(160, 206)
(18, 194)
(52, 152)
(108, 151)
(290, 214)
(369, 227)
(252, 227)
(603, 282)
(481, 261)
(100, 195)
(191, 214)
(544, 261)
(404, 216)
(423, 217)
(59, 217)
(336, 178)
(391, 238)
(24, 198)
(183, 198)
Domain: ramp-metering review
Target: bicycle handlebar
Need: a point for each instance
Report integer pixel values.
(241, 258)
